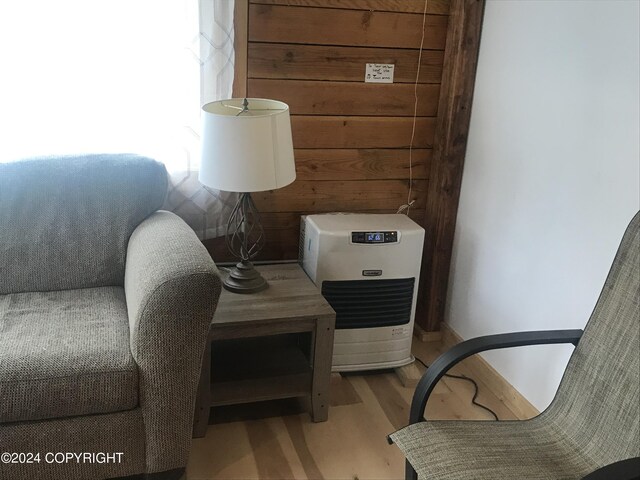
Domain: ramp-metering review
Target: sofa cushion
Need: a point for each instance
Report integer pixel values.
(65, 353)
(66, 221)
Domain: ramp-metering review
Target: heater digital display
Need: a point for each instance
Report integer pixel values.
(374, 237)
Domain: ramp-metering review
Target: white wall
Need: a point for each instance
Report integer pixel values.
(551, 176)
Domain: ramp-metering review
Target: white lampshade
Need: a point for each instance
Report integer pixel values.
(246, 150)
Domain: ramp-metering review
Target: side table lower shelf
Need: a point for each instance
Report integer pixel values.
(277, 343)
(256, 369)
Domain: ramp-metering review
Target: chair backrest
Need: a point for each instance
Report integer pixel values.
(65, 221)
(598, 402)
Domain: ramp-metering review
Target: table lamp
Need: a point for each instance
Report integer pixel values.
(246, 147)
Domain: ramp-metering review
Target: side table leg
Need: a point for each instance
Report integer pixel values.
(322, 356)
(203, 396)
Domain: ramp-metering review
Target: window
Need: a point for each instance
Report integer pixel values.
(87, 76)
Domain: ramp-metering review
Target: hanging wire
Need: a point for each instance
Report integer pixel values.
(407, 206)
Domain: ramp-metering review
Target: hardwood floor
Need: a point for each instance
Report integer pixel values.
(277, 440)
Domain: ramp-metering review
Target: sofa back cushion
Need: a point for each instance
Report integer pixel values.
(65, 221)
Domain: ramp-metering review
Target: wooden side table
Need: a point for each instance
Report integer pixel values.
(277, 343)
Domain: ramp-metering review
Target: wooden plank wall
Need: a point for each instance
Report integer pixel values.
(351, 138)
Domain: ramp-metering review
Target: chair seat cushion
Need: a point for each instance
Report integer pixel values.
(476, 450)
(65, 353)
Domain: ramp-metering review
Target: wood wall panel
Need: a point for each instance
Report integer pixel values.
(332, 196)
(328, 26)
(351, 138)
(282, 232)
(330, 63)
(440, 7)
(360, 132)
(361, 164)
(348, 98)
(240, 44)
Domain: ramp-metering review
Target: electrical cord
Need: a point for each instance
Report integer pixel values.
(475, 386)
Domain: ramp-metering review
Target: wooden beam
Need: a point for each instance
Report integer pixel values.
(450, 143)
(240, 46)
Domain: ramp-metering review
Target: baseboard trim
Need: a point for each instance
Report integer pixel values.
(485, 373)
(425, 336)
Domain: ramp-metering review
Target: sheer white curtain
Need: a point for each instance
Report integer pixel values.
(88, 76)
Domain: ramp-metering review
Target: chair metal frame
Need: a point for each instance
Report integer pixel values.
(624, 470)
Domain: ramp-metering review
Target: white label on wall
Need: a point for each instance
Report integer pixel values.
(379, 73)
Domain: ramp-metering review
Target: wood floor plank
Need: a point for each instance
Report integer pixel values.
(429, 351)
(225, 452)
(367, 425)
(294, 427)
(267, 451)
(341, 392)
(292, 447)
(279, 440)
(395, 407)
(449, 407)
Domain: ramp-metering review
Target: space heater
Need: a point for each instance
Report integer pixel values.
(367, 266)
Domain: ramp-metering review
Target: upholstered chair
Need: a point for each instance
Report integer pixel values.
(105, 304)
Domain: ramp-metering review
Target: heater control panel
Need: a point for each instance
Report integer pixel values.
(375, 237)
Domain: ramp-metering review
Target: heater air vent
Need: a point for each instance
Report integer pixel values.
(370, 303)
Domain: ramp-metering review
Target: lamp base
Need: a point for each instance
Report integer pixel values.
(243, 278)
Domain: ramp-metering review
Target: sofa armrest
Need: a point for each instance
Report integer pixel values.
(172, 288)
(476, 345)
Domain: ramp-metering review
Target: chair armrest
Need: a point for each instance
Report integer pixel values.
(628, 469)
(475, 345)
(172, 288)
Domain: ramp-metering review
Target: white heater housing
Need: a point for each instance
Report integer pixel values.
(367, 266)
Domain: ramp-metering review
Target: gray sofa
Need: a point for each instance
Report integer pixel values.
(105, 305)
